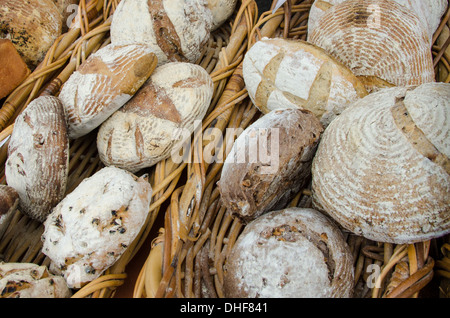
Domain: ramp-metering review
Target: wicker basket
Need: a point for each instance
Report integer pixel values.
(188, 260)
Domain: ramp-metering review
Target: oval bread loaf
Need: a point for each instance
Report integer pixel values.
(91, 228)
(282, 73)
(269, 162)
(38, 157)
(292, 253)
(382, 168)
(153, 124)
(103, 84)
(9, 201)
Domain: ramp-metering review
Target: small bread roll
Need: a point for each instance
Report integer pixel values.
(13, 70)
(32, 26)
(382, 169)
(91, 228)
(103, 84)
(221, 11)
(292, 253)
(177, 30)
(28, 280)
(147, 129)
(38, 157)
(269, 162)
(282, 73)
(9, 201)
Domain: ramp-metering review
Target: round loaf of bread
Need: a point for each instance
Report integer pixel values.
(389, 43)
(269, 162)
(28, 280)
(9, 201)
(221, 10)
(37, 166)
(156, 121)
(177, 30)
(103, 84)
(32, 26)
(282, 73)
(91, 228)
(382, 168)
(291, 253)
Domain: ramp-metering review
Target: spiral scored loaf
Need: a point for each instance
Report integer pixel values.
(269, 162)
(92, 226)
(154, 123)
(429, 12)
(103, 84)
(282, 73)
(37, 166)
(291, 253)
(177, 30)
(32, 26)
(390, 43)
(382, 168)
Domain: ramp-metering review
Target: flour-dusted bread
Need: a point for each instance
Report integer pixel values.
(282, 73)
(38, 157)
(9, 201)
(28, 280)
(429, 12)
(269, 162)
(32, 26)
(13, 69)
(291, 253)
(103, 84)
(155, 122)
(221, 10)
(382, 168)
(177, 30)
(91, 228)
(392, 45)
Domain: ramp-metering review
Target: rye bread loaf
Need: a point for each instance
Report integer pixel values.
(292, 253)
(156, 121)
(9, 201)
(38, 157)
(284, 73)
(382, 167)
(103, 84)
(269, 162)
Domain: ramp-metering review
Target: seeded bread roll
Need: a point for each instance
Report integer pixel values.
(382, 169)
(91, 228)
(27, 280)
(13, 70)
(38, 157)
(9, 201)
(103, 84)
(269, 162)
(292, 253)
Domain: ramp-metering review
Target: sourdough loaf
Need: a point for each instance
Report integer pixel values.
(9, 201)
(382, 168)
(103, 84)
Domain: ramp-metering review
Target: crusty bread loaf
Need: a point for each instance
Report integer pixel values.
(392, 44)
(382, 167)
(292, 253)
(38, 157)
(9, 201)
(221, 10)
(284, 73)
(28, 280)
(147, 129)
(269, 162)
(32, 26)
(103, 84)
(177, 30)
(13, 70)
(91, 228)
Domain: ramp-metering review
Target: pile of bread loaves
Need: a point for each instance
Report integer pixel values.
(356, 108)
(136, 93)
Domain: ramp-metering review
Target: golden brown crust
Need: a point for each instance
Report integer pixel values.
(13, 70)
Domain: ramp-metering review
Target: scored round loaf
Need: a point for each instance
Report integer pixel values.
(221, 10)
(9, 201)
(103, 84)
(28, 280)
(283, 73)
(32, 26)
(382, 168)
(91, 228)
(291, 253)
(428, 11)
(392, 44)
(156, 121)
(269, 162)
(177, 30)
(38, 157)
